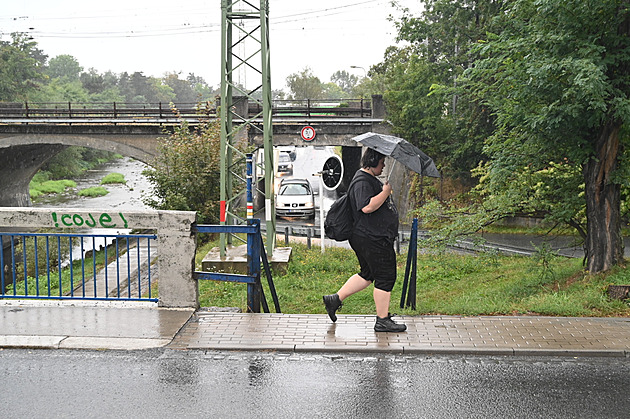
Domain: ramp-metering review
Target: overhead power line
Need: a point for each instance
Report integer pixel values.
(310, 16)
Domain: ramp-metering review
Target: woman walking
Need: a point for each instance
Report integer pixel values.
(375, 228)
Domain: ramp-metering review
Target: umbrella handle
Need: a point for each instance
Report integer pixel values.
(391, 170)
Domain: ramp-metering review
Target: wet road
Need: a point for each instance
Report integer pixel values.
(168, 383)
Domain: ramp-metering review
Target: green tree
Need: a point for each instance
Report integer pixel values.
(557, 77)
(333, 91)
(64, 67)
(58, 90)
(304, 85)
(345, 81)
(183, 90)
(186, 175)
(92, 81)
(202, 89)
(425, 103)
(21, 64)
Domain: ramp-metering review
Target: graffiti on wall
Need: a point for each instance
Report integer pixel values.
(102, 220)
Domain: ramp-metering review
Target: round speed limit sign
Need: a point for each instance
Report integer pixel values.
(308, 133)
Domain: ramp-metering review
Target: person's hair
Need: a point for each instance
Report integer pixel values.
(371, 158)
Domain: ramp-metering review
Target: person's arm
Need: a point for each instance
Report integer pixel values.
(377, 200)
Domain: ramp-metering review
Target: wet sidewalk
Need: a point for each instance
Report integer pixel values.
(60, 325)
(485, 335)
(135, 326)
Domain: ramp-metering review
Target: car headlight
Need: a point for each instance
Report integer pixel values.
(309, 205)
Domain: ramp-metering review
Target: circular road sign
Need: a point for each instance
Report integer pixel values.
(308, 133)
(332, 173)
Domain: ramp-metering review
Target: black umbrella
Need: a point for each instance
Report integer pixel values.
(400, 150)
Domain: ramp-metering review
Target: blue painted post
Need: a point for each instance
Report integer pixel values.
(250, 195)
(2, 265)
(414, 262)
(253, 266)
(410, 269)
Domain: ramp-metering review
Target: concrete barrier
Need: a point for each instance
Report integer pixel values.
(176, 240)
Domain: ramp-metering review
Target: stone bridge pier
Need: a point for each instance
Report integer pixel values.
(18, 165)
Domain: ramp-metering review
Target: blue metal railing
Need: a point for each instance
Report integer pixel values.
(255, 255)
(64, 266)
(252, 279)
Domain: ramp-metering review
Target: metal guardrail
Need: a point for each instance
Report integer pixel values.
(64, 266)
(150, 112)
(255, 256)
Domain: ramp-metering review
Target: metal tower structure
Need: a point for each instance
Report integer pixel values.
(245, 48)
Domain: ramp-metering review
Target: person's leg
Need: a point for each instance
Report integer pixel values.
(384, 280)
(381, 300)
(353, 285)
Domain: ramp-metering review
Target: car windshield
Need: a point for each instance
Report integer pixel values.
(284, 158)
(295, 189)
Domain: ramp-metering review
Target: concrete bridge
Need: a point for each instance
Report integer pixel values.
(30, 134)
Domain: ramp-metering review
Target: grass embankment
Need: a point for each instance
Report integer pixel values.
(41, 185)
(446, 284)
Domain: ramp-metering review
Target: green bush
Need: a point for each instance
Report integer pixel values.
(94, 192)
(114, 178)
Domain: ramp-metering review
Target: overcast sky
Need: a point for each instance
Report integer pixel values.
(159, 36)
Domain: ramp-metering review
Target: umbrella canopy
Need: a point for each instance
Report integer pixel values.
(401, 150)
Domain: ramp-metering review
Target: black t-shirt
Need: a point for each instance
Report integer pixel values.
(382, 223)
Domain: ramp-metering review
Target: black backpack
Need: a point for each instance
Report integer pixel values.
(339, 221)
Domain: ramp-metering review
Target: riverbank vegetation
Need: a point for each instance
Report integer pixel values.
(448, 284)
(56, 174)
(114, 178)
(186, 176)
(41, 185)
(93, 192)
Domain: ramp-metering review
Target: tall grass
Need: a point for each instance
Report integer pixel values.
(446, 284)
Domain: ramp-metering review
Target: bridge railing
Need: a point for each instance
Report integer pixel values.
(36, 265)
(149, 112)
(77, 266)
(112, 110)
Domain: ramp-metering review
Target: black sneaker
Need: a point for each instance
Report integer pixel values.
(332, 303)
(386, 324)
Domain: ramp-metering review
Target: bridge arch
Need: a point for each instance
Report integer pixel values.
(138, 147)
(22, 155)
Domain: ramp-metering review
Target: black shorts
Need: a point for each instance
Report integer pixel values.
(377, 259)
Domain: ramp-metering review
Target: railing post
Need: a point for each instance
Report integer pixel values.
(254, 244)
(69, 109)
(250, 194)
(115, 113)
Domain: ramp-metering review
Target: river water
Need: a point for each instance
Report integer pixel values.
(128, 196)
(120, 197)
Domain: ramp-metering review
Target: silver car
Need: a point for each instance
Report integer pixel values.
(284, 163)
(295, 198)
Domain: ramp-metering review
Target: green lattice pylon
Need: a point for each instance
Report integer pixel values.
(245, 47)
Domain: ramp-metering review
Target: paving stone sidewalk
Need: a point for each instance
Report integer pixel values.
(551, 336)
(132, 327)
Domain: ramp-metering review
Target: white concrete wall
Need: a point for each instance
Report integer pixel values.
(176, 242)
